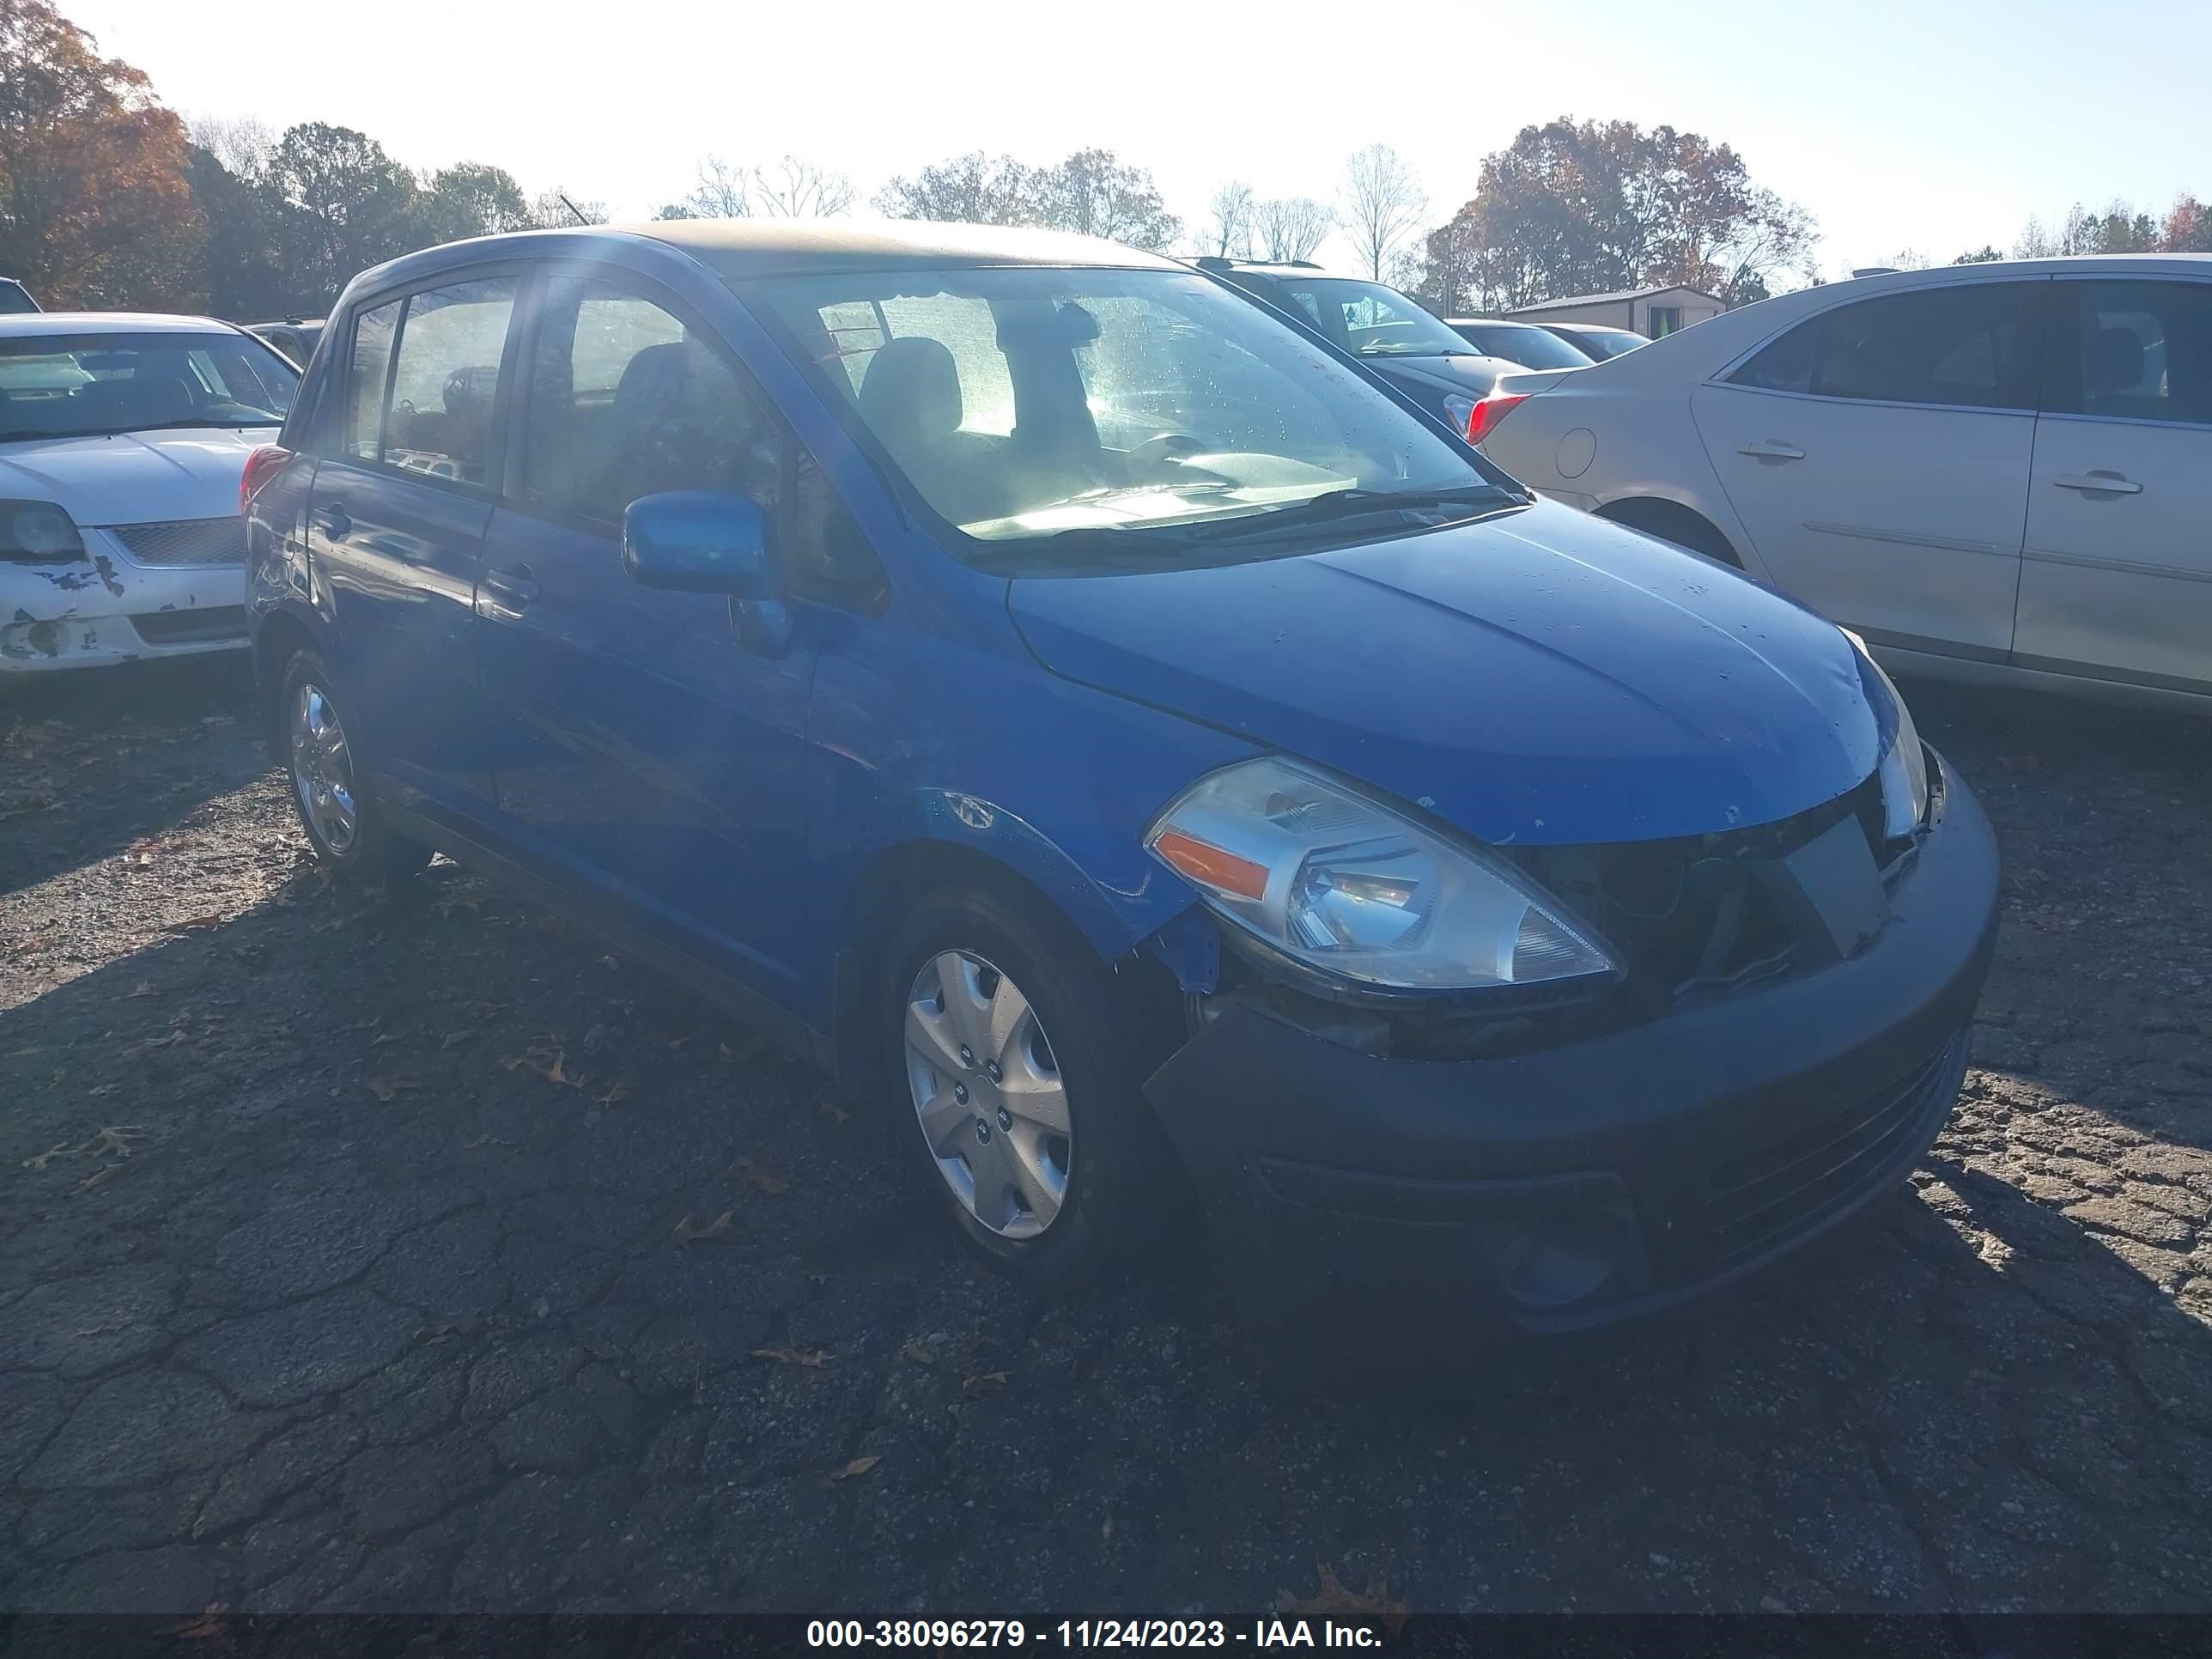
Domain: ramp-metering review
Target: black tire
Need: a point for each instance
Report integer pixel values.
(373, 854)
(1112, 1144)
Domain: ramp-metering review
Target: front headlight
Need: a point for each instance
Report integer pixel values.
(1339, 883)
(38, 533)
(1905, 765)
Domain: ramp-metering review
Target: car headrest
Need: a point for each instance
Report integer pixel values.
(911, 392)
(2116, 360)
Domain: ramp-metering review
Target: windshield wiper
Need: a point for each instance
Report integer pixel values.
(1334, 504)
(1096, 544)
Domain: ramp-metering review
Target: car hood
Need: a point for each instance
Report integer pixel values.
(1538, 678)
(134, 478)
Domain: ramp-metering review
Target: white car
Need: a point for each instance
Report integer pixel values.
(1997, 472)
(122, 441)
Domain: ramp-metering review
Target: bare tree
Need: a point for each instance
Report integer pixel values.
(1229, 229)
(557, 210)
(972, 189)
(724, 191)
(793, 189)
(1290, 226)
(241, 143)
(1382, 204)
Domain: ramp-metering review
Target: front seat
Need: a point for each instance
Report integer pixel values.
(910, 399)
(2115, 365)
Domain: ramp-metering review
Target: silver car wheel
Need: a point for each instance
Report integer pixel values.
(322, 769)
(988, 1093)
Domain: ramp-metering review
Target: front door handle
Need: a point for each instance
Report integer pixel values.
(514, 589)
(330, 519)
(1772, 449)
(2098, 484)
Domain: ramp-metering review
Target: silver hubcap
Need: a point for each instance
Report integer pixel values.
(989, 1095)
(322, 771)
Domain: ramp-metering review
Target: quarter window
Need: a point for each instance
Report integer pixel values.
(1961, 345)
(443, 382)
(2137, 350)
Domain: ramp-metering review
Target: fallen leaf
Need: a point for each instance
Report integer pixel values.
(858, 1466)
(767, 1179)
(386, 1088)
(616, 1095)
(541, 1306)
(718, 1228)
(1331, 1597)
(388, 1036)
(829, 1107)
(813, 1359)
(116, 1141)
(39, 1160)
(143, 988)
(453, 1037)
(486, 1140)
(195, 925)
(917, 1354)
(982, 1380)
(207, 1623)
(105, 1173)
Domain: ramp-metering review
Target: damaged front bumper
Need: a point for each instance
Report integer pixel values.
(105, 608)
(1457, 1206)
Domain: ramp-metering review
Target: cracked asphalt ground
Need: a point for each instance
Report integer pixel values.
(343, 1264)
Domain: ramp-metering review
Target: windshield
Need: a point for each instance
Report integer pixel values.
(77, 385)
(1371, 319)
(1024, 403)
(1520, 343)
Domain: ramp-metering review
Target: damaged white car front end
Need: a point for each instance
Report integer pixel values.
(124, 547)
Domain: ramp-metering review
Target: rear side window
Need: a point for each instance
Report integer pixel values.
(444, 377)
(2135, 352)
(1962, 346)
(372, 338)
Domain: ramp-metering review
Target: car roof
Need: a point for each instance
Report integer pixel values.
(765, 247)
(34, 323)
(1493, 322)
(1283, 268)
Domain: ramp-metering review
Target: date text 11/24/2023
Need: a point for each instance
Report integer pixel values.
(1089, 1633)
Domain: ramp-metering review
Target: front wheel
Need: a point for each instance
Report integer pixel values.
(350, 839)
(1014, 1046)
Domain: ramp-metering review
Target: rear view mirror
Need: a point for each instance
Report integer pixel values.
(699, 541)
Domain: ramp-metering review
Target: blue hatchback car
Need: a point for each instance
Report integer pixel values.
(1103, 724)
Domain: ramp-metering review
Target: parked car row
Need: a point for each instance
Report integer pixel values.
(1103, 720)
(1113, 710)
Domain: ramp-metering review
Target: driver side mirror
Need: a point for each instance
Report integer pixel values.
(699, 541)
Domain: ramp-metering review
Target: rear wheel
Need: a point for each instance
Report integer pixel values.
(1013, 1047)
(343, 827)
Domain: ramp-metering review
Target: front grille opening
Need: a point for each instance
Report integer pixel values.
(184, 540)
(193, 627)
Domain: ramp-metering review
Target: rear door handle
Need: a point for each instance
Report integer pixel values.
(330, 519)
(2098, 484)
(1772, 449)
(514, 589)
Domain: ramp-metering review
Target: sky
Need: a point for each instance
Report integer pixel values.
(1935, 126)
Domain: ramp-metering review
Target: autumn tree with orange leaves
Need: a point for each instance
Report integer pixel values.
(95, 207)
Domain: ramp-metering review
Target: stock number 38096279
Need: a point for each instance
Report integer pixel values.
(1013, 1633)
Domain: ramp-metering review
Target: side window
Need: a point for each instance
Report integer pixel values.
(373, 333)
(624, 401)
(1963, 345)
(447, 372)
(2140, 351)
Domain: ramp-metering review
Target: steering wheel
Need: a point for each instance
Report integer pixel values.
(1154, 455)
